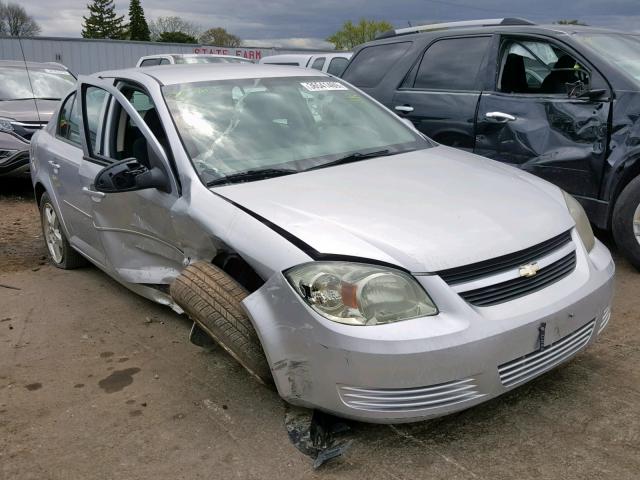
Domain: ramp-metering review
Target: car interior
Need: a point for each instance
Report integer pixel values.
(538, 68)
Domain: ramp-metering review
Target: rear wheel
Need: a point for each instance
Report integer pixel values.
(61, 253)
(212, 299)
(626, 222)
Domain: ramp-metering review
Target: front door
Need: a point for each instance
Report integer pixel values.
(535, 120)
(136, 228)
(440, 94)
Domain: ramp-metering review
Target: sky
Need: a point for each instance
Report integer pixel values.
(306, 24)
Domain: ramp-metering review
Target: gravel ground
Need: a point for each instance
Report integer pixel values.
(96, 382)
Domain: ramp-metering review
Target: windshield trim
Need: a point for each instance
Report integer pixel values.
(394, 149)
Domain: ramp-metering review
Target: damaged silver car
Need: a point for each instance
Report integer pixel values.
(329, 247)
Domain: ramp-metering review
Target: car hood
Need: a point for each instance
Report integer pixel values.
(425, 211)
(25, 110)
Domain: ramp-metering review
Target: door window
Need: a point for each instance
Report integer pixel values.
(95, 102)
(318, 63)
(165, 61)
(536, 67)
(371, 64)
(452, 64)
(337, 66)
(149, 62)
(69, 121)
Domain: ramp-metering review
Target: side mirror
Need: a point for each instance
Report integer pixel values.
(130, 175)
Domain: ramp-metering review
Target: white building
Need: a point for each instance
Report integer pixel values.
(83, 55)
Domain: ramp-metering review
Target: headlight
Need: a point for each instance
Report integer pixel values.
(582, 222)
(359, 294)
(5, 125)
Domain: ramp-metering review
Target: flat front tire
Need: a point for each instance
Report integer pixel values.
(61, 253)
(626, 222)
(213, 300)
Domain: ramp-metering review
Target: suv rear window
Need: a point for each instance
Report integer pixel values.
(452, 64)
(372, 63)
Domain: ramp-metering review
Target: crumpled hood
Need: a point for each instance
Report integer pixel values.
(425, 211)
(25, 110)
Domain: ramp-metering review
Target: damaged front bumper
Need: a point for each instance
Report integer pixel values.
(429, 367)
(14, 156)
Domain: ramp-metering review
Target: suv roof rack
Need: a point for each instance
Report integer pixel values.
(490, 22)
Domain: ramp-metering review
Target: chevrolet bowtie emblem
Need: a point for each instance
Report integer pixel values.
(529, 270)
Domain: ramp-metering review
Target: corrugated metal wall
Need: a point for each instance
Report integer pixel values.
(83, 56)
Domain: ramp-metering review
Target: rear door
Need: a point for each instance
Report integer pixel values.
(530, 120)
(441, 91)
(70, 186)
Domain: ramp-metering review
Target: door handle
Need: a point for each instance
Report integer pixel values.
(92, 193)
(404, 108)
(54, 164)
(499, 117)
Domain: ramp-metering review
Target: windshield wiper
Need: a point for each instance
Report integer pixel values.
(352, 157)
(250, 175)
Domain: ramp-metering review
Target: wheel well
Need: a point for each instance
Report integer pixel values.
(39, 191)
(235, 266)
(627, 176)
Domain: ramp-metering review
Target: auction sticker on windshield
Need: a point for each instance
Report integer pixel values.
(322, 86)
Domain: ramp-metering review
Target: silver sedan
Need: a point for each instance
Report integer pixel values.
(329, 247)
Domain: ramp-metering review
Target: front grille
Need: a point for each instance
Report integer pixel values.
(407, 399)
(518, 287)
(533, 364)
(511, 261)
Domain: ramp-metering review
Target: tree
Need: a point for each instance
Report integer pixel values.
(220, 38)
(138, 27)
(16, 22)
(569, 22)
(103, 22)
(177, 37)
(352, 35)
(171, 25)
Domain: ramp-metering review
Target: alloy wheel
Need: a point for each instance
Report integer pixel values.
(52, 233)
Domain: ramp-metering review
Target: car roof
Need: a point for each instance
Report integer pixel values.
(202, 72)
(190, 55)
(20, 63)
(522, 28)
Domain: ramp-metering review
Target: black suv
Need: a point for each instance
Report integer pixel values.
(562, 102)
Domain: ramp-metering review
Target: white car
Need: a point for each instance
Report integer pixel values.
(181, 58)
(331, 63)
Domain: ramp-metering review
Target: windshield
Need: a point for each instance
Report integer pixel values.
(620, 49)
(47, 83)
(211, 60)
(292, 123)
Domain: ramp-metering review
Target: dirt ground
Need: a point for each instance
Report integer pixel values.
(96, 382)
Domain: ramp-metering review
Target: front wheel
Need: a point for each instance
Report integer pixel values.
(626, 222)
(61, 253)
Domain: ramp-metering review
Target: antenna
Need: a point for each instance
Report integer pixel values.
(33, 92)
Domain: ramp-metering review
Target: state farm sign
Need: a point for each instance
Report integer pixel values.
(248, 53)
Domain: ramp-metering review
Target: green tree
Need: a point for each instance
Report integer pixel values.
(351, 35)
(569, 22)
(172, 24)
(138, 27)
(102, 21)
(177, 37)
(16, 22)
(220, 38)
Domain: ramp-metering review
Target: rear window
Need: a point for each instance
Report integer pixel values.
(337, 66)
(371, 63)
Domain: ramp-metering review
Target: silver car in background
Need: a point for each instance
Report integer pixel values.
(330, 248)
(27, 101)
